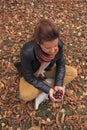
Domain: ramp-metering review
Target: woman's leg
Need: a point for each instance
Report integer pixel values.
(27, 91)
(70, 74)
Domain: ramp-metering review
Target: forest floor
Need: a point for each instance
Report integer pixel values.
(17, 21)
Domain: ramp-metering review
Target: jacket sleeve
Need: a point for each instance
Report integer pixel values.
(26, 62)
(60, 66)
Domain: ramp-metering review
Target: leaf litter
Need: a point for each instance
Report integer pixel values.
(17, 22)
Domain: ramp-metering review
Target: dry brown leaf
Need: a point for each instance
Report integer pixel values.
(35, 128)
(17, 22)
(62, 118)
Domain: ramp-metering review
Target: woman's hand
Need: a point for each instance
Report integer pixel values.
(59, 90)
(51, 92)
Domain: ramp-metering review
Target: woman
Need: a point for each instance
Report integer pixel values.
(41, 60)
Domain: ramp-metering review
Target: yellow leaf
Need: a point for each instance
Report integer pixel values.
(1, 85)
(48, 119)
(63, 110)
(85, 93)
(3, 124)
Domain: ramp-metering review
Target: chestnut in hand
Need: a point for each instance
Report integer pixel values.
(58, 94)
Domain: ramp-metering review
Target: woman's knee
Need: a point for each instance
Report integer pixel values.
(28, 96)
(74, 72)
(27, 92)
(71, 71)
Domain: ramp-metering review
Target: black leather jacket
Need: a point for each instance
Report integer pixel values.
(30, 65)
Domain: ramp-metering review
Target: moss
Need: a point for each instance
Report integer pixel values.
(44, 112)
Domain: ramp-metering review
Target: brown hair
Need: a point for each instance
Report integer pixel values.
(45, 30)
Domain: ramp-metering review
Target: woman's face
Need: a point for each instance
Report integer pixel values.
(50, 47)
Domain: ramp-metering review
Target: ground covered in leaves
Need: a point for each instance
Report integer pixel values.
(17, 21)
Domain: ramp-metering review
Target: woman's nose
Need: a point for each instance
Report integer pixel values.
(53, 50)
